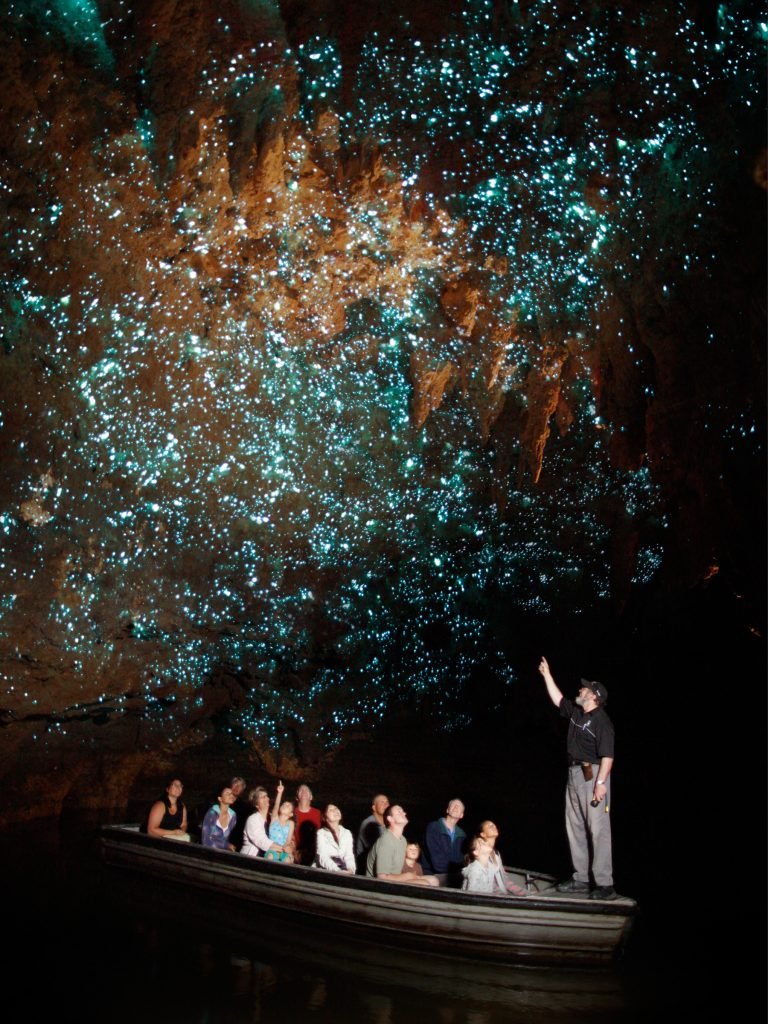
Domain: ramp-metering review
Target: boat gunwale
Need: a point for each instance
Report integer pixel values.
(290, 874)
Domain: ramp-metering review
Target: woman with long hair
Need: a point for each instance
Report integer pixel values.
(168, 815)
(490, 833)
(335, 848)
(479, 874)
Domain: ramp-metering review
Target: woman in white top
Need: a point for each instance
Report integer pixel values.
(334, 850)
(256, 841)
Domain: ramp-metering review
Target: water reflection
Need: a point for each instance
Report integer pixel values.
(290, 973)
(90, 948)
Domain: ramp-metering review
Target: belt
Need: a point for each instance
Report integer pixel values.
(573, 764)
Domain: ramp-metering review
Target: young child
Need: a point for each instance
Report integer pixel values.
(411, 864)
(490, 834)
(281, 832)
(479, 874)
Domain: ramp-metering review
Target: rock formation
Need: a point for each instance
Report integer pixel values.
(321, 332)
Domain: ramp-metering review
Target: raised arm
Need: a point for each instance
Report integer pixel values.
(555, 694)
(278, 799)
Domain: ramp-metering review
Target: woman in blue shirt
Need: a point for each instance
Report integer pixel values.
(219, 822)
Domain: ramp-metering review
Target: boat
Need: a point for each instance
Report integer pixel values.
(542, 928)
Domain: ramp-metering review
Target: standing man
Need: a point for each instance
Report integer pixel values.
(444, 842)
(370, 830)
(588, 794)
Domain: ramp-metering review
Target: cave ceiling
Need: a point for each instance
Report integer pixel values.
(333, 337)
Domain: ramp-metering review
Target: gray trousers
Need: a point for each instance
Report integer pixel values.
(588, 828)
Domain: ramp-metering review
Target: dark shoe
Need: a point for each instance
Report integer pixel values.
(603, 892)
(573, 886)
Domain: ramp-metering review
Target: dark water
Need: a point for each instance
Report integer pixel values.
(90, 950)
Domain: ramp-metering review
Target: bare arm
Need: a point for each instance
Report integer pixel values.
(156, 816)
(555, 694)
(408, 879)
(606, 764)
(256, 833)
(278, 799)
(276, 847)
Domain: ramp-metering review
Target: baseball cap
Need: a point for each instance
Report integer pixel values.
(600, 691)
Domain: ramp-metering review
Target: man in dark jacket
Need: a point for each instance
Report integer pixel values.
(444, 845)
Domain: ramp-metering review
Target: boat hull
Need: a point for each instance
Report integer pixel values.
(542, 928)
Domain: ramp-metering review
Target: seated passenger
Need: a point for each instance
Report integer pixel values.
(411, 865)
(219, 822)
(490, 833)
(256, 841)
(308, 821)
(386, 858)
(334, 843)
(370, 830)
(241, 809)
(281, 833)
(479, 874)
(168, 816)
(444, 841)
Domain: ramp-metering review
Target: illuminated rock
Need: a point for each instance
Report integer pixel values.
(291, 305)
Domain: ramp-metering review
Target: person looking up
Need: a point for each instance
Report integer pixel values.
(334, 843)
(490, 833)
(168, 815)
(479, 875)
(281, 829)
(411, 865)
(590, 746)
(219, 822)
(386, 858)
(256, 840)
(370, 830)
(308, 821)
(444, 842)
(241, 808)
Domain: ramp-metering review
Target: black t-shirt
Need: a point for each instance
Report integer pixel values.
(590, 735)
(242, 809)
